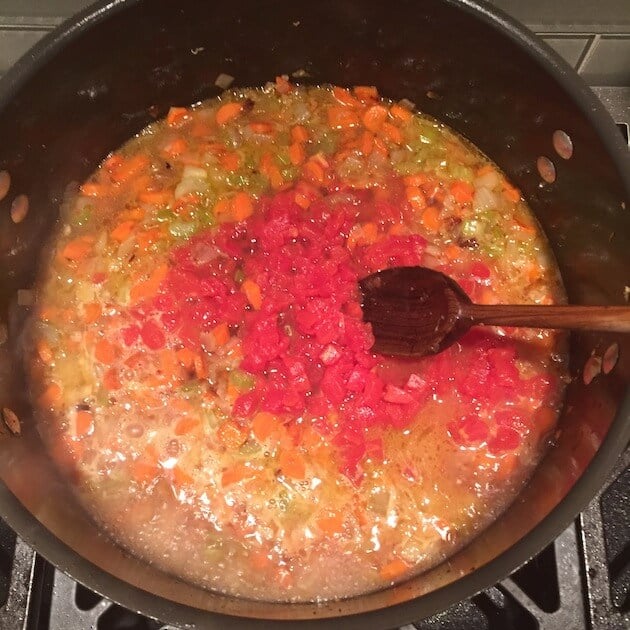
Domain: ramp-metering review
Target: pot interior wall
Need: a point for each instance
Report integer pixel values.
(102, 84)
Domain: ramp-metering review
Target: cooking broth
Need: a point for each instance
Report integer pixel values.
(204, 377)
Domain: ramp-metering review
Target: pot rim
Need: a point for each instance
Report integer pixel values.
(35, 534)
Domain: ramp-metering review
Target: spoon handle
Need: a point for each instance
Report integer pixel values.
(612, 318)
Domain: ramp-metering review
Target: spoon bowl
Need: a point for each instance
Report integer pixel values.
(415, 311)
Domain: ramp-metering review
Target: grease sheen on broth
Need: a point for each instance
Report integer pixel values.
(204, 377)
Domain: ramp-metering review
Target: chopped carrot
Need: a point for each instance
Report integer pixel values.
(344, 97)
(331, 524)
(292, 464)
(176, 115)
(452, 252)
(95, 189)
(314, 171)
(169, 364)
(83, 423)
(374, 117)
(149, 287)
(111, 381)
(511, 193)
(302, 200)
(261, 127)
(123, 231)
(146, 238)
(223, 210)
(186, 424)
(156, 197)
(282, 84)
(297, 154)
(381, 147)
(400, 112)
(242, 206)
(221, 334)
(51, 395)
(341, 117)
(91, 312)
(462, 191)
(365, 234)
(231, 435)
(45, 351)
(269, 168)
(252, 293)
(237, 473)
(393, 569)
(200, 366)
(391, 133)
(430, 219)
(263, 425)
(228, 112)
(230, 161)
(182, 405)
(180, 477)
(416, 198)
(105, 351)
(135, 213)
(186, 357)
(175, 147)
(130, 168)
(366, 143)
(299, 134)
(485, 169)
(77, 249)
(144, 471)
(417, 179)
(366, 92)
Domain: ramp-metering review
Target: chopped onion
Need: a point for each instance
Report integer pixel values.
(488, 180)
(484, 199)
(224, 81)
(193, 172)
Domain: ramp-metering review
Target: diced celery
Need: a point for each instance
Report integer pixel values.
(241, 380)
(182, 229)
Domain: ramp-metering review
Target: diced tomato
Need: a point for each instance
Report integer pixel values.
(152, 335)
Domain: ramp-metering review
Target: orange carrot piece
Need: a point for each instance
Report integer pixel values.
(83, 423)
(381, 147)
(105, 351)
(400, 112)
(176, 115)
(186, 357)
(344, 97)
(302, 200)
(415, 197)
(144, 471)
(292, 464)
(111, 380)
(200, 366)
(430, 219)
(242, 206)
(223, 210)
(185, 425)
(230, 161)
(252, 293)
(485, 169)
(269, 168)
(151, 286)
(228, 112)
(391, 133)
(452, 251)
(366, 92)
(95, 189)
(237, 473)
(221, 334)
(299, 134)
(331, 524)
(155, 197)
(366, 143)
(374, 117)
(297, 154)
(418, 179)
(131, 168)
(175, 147)
(78, 249)
(341, 117)
(263, 425)
(314, 171)
(462, 191)
(261, 127)
(180, 477)
(393, 569)
(282, 84)
(365, 234)
(123, 231)
(45, 351)
(91, 312)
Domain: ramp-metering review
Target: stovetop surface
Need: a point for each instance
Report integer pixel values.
(580, 582)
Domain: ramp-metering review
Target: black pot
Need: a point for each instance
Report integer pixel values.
(105, 74)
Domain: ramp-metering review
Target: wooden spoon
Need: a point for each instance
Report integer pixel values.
(416, 311)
